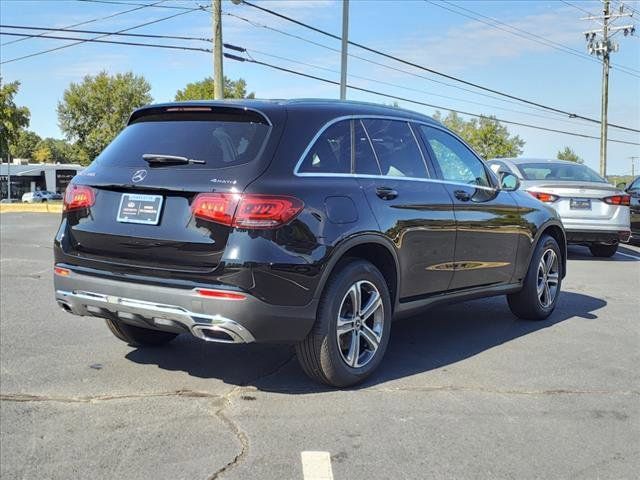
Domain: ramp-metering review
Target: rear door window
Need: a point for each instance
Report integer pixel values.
(457, 163)
(218, 143)
(396, 148)
(331, 152)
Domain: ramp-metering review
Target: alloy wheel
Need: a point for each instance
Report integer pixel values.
(360, 324)
(548, 277)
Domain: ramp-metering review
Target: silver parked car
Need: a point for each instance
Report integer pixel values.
(40, 196)
(594, 213)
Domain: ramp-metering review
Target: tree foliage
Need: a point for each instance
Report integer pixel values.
(203, 90)
(94, 111)
(12, 118)
(569, 155)
(485, 135)
(25, 144)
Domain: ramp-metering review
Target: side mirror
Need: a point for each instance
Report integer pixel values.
(509, 182)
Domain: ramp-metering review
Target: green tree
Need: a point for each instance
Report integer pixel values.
(94, 111)
(42, 154)
(569, 155)
(203, 90)
(25, 144)
(486, 135)
(12, 118)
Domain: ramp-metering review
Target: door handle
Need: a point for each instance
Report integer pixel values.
(386, 193)
(462, 195)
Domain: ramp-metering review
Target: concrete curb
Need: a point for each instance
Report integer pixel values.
(45, 207)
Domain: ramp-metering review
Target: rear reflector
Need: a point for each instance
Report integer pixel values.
(246, 211)
(544, 197)
(624, 200)
(78, 196)
(63, 272)
(221, 294)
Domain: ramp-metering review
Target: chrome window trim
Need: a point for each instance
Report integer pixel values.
(391, 177)
(335, 120)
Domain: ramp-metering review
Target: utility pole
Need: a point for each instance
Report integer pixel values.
(601, 45)
(345, 46)
(218, 75)
(633, 166)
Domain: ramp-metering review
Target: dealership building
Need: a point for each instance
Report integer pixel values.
(35, 176)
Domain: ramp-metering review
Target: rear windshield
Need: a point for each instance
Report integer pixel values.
(559, 171)
(214, 143)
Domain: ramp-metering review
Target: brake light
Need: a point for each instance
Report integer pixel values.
(221, 294)
(78, 196)
(544, 197)
(246, 211)
(624, 200)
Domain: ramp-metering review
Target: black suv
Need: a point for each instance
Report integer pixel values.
(312, 222)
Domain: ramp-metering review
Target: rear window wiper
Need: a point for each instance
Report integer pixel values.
(169, 159)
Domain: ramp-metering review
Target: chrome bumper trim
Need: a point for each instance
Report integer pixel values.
(80, 302)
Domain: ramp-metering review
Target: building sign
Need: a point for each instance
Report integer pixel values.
(63, 177)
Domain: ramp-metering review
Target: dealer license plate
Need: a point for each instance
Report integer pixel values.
(137, 208)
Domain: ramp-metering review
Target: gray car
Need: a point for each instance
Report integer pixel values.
(594, 213)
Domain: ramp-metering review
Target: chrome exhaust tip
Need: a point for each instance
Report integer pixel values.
(65, 306)
(216, 333)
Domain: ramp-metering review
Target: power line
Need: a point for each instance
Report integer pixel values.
(404, 87)
(396, 97)
(109, 2)
(473, 15)
(141, 35)
(114, 42)
(96, 38)
(430, 70)
(89, 21)
(389, 67)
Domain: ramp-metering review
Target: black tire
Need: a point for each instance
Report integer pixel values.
(527, 303)
(137, 336)
(320, 355)
(603, 251)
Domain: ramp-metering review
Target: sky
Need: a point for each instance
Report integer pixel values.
(420, 31)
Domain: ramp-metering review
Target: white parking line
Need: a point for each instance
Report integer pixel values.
(316, 466)
(627, 255)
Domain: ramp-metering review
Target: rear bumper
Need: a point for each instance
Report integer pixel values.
(183, 310)
(597, 236)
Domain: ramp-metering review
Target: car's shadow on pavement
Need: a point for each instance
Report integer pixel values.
(441, 336)
(624, 254)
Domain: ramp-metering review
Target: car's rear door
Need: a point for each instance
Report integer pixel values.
(414, 212)
(487, 219)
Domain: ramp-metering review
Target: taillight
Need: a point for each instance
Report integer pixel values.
(246, 211)
(217, 207)
(544, 197)
(78, 196)
(618, 200)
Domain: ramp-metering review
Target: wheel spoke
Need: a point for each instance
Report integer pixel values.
(552, 278)
(374, 302)
(549, 260)
(356, 297)
(354, 349)
(345, 325)
(370, 337)
(547, 295)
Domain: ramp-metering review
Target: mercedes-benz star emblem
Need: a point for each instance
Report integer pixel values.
(138, 176)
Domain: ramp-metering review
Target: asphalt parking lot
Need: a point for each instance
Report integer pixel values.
(465, 391)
